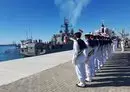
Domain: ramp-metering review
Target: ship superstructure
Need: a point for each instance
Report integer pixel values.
(59, 42)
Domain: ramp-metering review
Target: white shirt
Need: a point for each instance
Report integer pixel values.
(78, 59)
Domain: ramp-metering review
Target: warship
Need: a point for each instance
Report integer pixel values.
(59, 42)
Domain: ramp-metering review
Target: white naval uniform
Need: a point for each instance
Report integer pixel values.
(114, 45)
(100, 57)
(79, 62)
(96, 58)
(104, 54)
(122, 45)
(109, 50)
(90, 63)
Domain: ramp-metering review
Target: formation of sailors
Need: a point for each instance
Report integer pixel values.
(89, 55)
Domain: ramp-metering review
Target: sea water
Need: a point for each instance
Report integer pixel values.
(9, 52)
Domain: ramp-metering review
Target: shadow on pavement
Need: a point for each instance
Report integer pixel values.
(116, 72)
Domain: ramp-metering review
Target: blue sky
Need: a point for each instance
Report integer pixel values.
(42, 18)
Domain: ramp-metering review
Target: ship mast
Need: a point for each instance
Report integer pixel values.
(26, 34)
(66, 26)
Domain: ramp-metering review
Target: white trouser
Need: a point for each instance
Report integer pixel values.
(90, 67)
(100, 57)
(122, 47)
(106, 51)
(96, 58)
(109, 51)
(104, 54)
(81, 71)
(88, 71)
(114, 47)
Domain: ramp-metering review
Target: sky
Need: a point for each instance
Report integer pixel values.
(42, 18)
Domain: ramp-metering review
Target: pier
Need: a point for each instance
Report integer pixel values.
(55, 73)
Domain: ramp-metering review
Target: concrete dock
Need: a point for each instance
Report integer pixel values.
(13, 70)
(36, 75)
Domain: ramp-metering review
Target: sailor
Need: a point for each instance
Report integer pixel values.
(114, 41)
(100, 53)
(103, 50)
(90, 68)
(96, 51)
(79, 58)
(106, 48)
(109, 47)
(122, 45)
(95, 47)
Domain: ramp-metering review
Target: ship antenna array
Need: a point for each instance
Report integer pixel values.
(27, 34)
(30, 32)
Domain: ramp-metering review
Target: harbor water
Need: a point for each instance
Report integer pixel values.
(9, 52)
